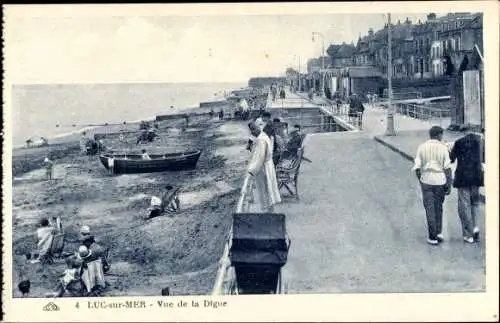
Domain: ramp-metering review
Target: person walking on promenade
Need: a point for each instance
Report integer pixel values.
(261, 168)
(433, 170)
(356, 110)
(360, 109)
(274, 91)
(468, 151)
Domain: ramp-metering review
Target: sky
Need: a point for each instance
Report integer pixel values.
(107, 47)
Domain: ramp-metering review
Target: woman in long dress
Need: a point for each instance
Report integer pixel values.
(261, 168)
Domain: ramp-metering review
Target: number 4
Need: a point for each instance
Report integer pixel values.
(77, 305)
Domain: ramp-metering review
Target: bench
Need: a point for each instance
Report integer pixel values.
(287, 173)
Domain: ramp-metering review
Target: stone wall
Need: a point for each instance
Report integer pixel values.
(429, 87)
(309, 119)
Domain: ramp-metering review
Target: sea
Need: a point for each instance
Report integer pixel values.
(57, 110)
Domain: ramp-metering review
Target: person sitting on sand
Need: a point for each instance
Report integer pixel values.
(151, 135)
(84, 232)
(44, 235)
(98, 251)
(83, 277)
(88, 239)
(49, 168)
(145, 155)
(45, 142)
(143, 136)
(169, 201)
(155, 208)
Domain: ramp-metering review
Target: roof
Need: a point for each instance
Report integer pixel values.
(475, 22)
(341, 51)
(345, 51)
(362, 71)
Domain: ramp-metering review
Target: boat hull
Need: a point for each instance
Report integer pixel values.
(134, 164)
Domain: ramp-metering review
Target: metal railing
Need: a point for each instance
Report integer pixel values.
(342, 111)
(422, 112)
(403, 95)
(242, 206)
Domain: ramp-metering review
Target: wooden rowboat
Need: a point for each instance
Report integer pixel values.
(133, 163)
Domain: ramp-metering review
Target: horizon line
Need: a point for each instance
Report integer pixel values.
(126, 82)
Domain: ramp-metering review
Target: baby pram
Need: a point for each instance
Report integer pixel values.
(259, 249)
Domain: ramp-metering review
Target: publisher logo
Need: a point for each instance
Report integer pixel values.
(51, 307)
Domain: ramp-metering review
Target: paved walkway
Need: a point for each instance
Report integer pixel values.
(292, 100)
(410, 132)
(360, 225)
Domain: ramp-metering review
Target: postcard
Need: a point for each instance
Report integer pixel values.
(250, 162)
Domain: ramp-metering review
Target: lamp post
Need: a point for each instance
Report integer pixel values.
(322, 84)
(390, 113)
(298, 72)
(299, 76)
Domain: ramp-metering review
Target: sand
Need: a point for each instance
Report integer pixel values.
(179, 251)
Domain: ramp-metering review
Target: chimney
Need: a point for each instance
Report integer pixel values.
(431, 17)
(370, 32)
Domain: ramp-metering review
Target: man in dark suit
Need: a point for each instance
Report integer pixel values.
(469, 176)
(295, 141)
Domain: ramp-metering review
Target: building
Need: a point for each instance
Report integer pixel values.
(466, 68)
(424, 54)
(437, 59)
(341, 55)
(423, 36)
(362, 55)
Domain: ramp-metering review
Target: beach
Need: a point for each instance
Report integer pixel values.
(179, 251)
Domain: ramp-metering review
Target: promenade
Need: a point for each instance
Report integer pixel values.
(360, 225)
